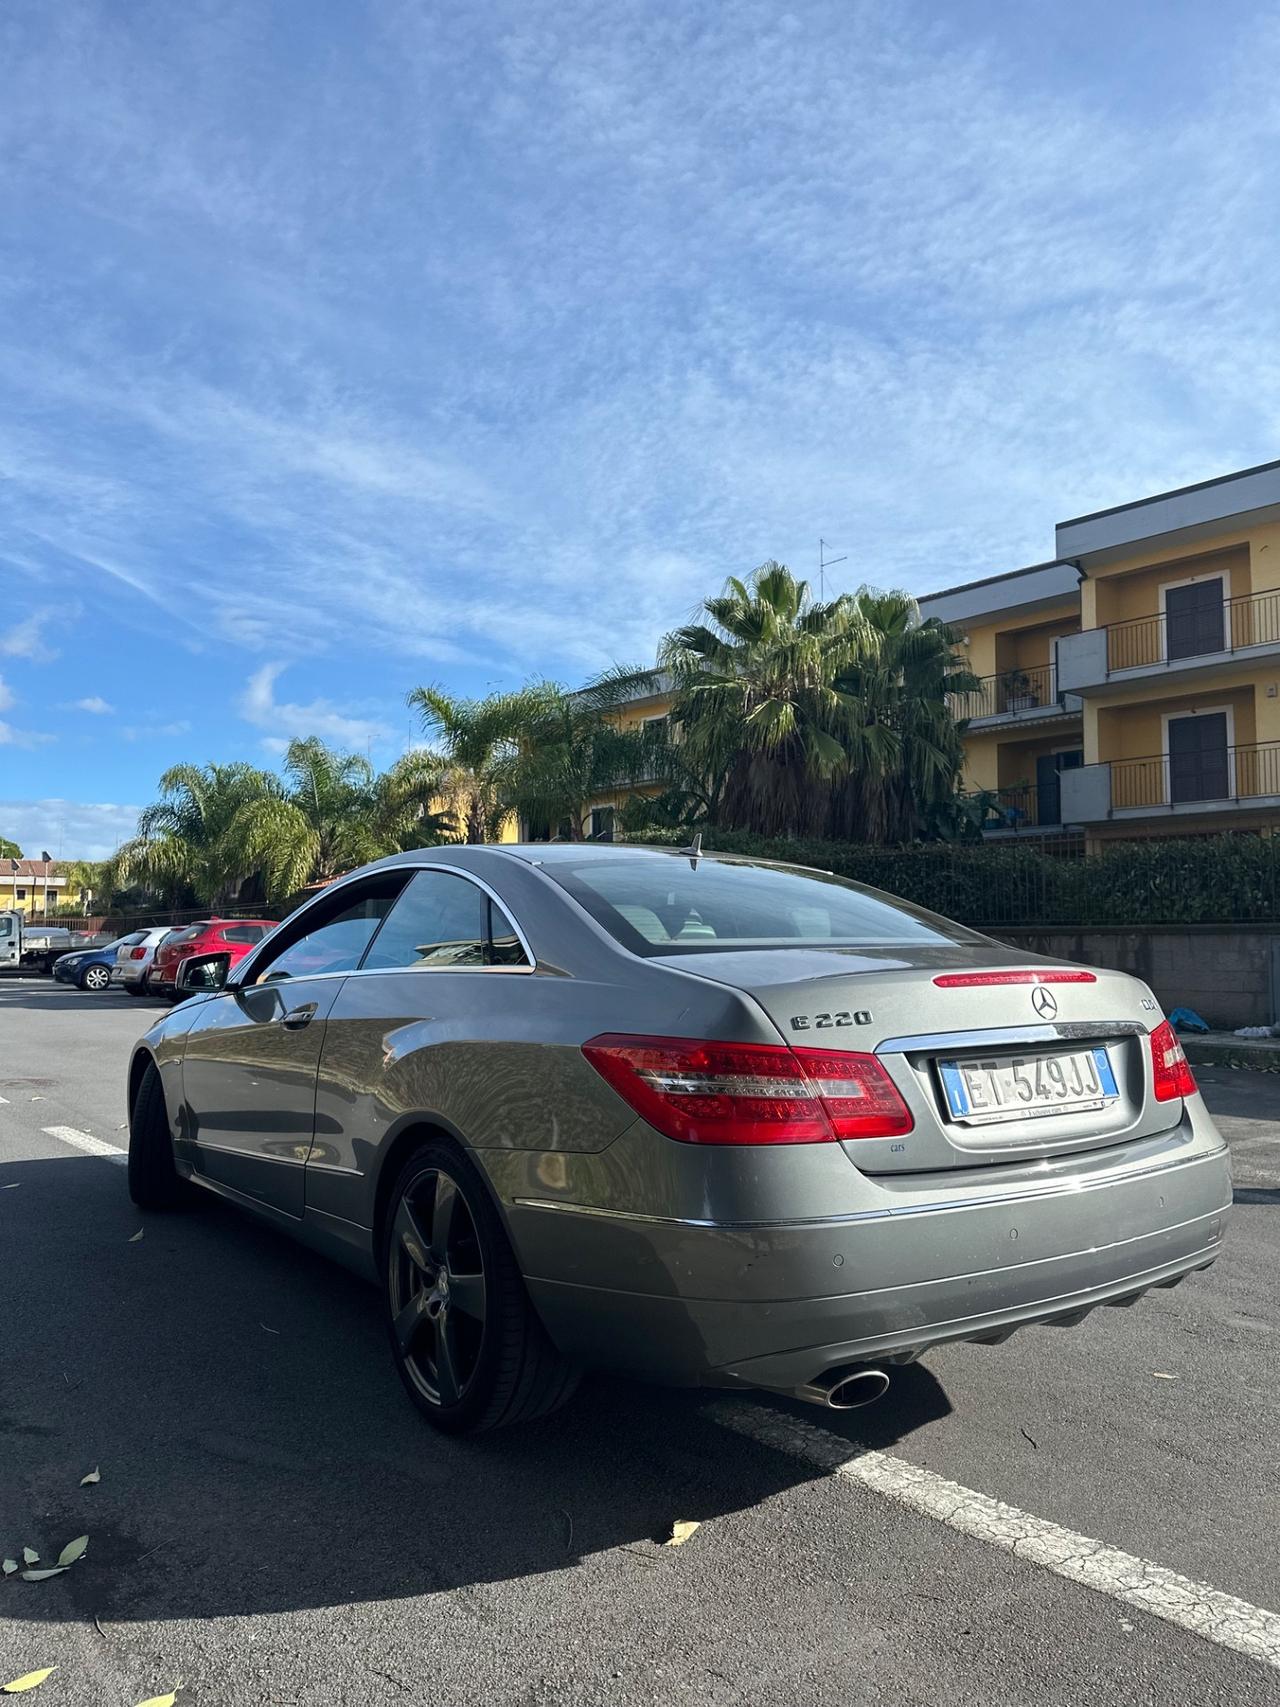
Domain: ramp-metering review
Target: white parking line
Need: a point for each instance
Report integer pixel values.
(85, 1141)
(1194, 1606)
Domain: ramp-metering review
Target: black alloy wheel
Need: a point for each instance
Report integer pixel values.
(466, 1339)
(436, 1288)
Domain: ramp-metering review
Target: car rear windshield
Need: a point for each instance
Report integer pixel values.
(662, 904)
(190, 934)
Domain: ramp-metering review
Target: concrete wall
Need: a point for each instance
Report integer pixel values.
(1226, 973)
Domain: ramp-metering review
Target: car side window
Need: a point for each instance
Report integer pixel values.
(333, 936)
(242, 933)
(443, 921)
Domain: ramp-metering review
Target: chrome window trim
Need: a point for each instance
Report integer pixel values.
(245, 966)
(486, 889)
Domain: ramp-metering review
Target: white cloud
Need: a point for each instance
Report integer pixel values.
(6, 695)
(715, 281)
(71, 829)
(11, 737)
(151, 731)
(94, 705)
(285, 721)
(25, 640)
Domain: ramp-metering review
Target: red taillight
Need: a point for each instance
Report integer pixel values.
(749, 1093)
(860, 1098)
(1171, 1074)
(967, 980)
(137, 954)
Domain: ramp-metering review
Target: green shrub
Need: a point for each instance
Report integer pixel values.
(1207, 880)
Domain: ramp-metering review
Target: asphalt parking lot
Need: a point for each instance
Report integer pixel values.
(273, 1523)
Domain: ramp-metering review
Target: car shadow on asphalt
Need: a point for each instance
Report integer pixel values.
(258, 1453)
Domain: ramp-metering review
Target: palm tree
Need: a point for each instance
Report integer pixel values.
(476, 744)
(182, 838)
(218, 829)
(905, 752)
(572, 749)
(333, 812)
(757, 703)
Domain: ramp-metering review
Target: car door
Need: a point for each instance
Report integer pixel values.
(427, 979)
(249, 1070)
(10, 939)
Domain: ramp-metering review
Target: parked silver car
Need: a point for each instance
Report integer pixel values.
(134, 958)
(700, 1119)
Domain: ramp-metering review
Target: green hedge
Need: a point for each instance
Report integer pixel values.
(1209, 880)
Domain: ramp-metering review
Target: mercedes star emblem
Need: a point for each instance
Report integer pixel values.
(1044, 1002)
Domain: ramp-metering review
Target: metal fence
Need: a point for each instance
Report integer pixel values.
(1231, 625)
(1013, 691)
(1247, 772)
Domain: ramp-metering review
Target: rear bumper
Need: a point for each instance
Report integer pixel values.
(777, 1305)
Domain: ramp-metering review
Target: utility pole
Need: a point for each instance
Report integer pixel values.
(825, 563)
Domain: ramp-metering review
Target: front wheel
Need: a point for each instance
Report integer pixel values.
(154, 1181)
(95, 978)
(464, 1335)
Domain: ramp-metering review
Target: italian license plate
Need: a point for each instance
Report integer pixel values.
(1026, 1087)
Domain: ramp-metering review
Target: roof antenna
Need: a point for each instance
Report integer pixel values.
(693, 853)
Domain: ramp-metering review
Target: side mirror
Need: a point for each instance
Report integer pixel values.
(204, 972)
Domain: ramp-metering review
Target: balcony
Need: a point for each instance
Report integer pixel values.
(1015, 696)
(1231, 779)
(1172, 646)
(1013, 811)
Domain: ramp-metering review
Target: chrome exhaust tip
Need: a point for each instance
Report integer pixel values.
(846, 1389)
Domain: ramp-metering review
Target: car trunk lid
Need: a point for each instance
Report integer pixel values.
(1011, 1068)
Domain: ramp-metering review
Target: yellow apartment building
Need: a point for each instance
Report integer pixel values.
(33, 886)
(1132, 684)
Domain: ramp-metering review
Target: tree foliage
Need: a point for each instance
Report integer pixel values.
(220, 830)
(811, 718)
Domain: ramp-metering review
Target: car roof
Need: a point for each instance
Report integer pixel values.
(556, 853)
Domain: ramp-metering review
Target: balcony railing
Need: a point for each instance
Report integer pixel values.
(1025, 807)
(1013, 691)
(1253, 619)
(1178, 779)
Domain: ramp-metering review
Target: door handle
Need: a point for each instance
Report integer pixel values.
(296, 1018)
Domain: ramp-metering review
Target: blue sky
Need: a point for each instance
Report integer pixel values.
(346, 347)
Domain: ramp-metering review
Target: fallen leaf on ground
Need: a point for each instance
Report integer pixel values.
(681, 1530)
(9, 1567)
(95, 1475)
(1159, 1375)
(73, 1550)
(39, 1576)
(136, 1236)
(30, 1680)
(30, 1556)
(160, 1700)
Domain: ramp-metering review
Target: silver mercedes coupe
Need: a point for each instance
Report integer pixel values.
(700, 1119)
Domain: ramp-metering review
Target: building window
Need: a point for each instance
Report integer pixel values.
(22, 894)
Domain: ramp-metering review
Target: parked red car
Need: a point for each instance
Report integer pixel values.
(207, 936)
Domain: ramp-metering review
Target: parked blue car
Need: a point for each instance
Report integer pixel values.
(89, 968)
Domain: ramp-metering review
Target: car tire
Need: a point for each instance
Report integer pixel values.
(96, 978)
(500, 1367)
(138, 989)
(154, 1181)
